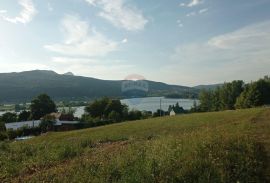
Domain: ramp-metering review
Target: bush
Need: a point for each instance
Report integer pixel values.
(134, 115)
(3, 136)
(12, 134)
(2, 126)
(47, 123)
(9, 117)
(24, 116)
(114, 116)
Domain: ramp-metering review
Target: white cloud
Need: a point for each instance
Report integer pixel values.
(22, 66)
(251, 38)
(179, 23)
(26, 15)
(192, 3)
(102, 71)
(49, 6)
(182, 4)
(3, 11)
(69, 60)
(191, 14)
(203, 10)
(92, 67)
(242, 54)
(125, 40)
(82, 41)
(195, 3)
(82, 49)
(120, 14)
(194, 13)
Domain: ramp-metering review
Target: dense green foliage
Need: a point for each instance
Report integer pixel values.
(103, 107)
(135, 115)
(47, 123)
(100, 112)
(12, 134)
(236, 95)
(24, 116)
(176, 108)
(3, 134)
(42, 105)
(192, 94)
(208, 147)
(2, 126)
(208, 87)
(255, 94)
(106, 109)
(9, 117)
(22, 87)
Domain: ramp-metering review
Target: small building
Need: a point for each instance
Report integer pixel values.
(65, 125)
(62, 123)
(172, 113)
(59, 125)
(26, 124)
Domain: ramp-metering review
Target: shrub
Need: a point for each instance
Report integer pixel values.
(47, 123)
(2, 126)
(114, 116)
(12, 134)
(3, 136)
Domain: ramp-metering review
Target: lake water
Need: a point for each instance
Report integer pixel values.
(153, 103)
(144, 104)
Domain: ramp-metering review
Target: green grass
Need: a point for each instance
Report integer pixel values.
(225, 146)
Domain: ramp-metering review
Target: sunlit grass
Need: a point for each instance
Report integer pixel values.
(209, 147)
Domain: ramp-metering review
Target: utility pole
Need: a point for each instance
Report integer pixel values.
(160, 108)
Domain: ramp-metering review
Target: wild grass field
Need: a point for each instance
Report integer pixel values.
(230, 146)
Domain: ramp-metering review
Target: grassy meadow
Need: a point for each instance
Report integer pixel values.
(230, 146)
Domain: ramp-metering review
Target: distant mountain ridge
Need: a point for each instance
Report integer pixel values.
(23, 86)
(208, 87)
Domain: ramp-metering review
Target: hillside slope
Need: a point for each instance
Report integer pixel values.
(23, 86)
(225, 146)
(208, 87)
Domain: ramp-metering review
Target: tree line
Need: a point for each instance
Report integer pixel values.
(111, 111)
(40, 106)
(235, 95)
(106, 110)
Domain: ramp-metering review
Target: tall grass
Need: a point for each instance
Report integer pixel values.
(211, 147)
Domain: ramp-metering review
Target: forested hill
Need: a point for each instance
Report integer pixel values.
(23, 86)
(208, 87)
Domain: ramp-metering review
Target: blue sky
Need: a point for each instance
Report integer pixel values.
(185, 42)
